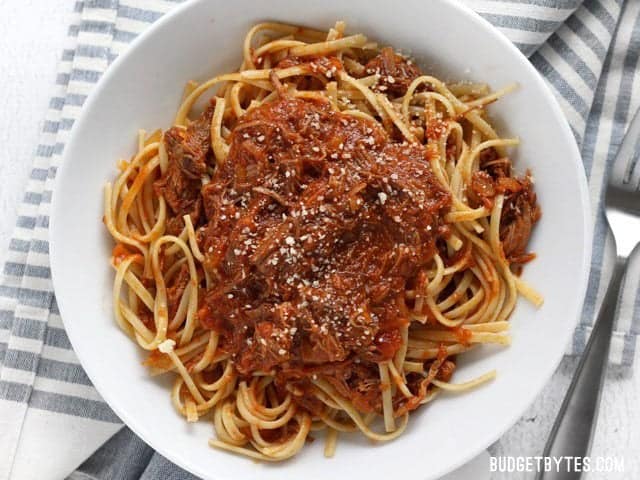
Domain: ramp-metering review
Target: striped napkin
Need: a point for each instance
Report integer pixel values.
(51, 417)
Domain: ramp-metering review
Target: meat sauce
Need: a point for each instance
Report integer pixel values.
(315, 223)
(520, 211)
(188, 152)
(396, 73)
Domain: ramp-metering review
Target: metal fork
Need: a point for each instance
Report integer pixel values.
(573, 429)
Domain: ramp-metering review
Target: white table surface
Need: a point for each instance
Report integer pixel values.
(31, 38)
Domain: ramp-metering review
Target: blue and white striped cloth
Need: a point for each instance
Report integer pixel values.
(586, 49)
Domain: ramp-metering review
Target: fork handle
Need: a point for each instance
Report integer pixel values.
(573, 429)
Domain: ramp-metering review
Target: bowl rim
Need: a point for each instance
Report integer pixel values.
(484, 441)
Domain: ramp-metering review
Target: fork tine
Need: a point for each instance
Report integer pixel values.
(626, 167)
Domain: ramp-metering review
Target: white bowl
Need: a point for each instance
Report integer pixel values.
(142, 89)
